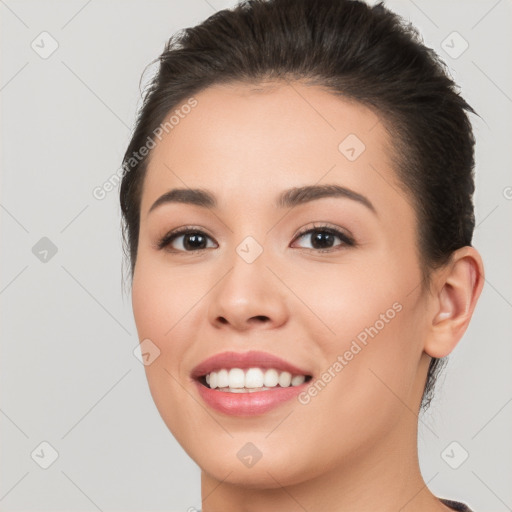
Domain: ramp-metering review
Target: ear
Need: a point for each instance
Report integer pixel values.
(458, 287)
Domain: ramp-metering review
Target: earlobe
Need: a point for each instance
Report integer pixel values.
(460, 285)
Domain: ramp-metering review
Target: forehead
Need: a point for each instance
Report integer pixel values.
(260, 139)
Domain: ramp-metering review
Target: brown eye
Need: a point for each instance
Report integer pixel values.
(185, 240)
(323, 238)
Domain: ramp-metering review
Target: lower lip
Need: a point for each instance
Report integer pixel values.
(248, 404)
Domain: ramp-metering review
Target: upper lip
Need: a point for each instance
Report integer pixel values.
(243, 360)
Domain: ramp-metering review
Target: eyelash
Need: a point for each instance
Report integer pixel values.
(346, 240)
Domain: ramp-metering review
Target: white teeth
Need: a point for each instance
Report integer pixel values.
(254, 378)
(285, 379)
(237, 380)
(297, 380)
(213, 380)
(222, 379)
(271, 378)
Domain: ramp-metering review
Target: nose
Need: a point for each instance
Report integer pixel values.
(249, 296)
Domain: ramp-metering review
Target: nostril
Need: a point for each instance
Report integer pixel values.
(261, 318)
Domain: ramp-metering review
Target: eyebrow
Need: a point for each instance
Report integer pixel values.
(287, 199)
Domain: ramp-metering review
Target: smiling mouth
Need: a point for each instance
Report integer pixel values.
(250, 380)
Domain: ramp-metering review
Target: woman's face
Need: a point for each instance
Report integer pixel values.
(341, 304)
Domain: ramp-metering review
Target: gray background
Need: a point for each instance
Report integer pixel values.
(68, 373)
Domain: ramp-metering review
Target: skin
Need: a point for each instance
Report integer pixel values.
(353, 447)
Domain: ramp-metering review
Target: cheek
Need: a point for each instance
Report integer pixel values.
(160, 304)
(382, 361)
(364, 390)
(346, 298)
(161, 298)
(151, 306)
(371, 334)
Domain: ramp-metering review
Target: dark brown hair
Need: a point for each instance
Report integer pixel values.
(367, 54)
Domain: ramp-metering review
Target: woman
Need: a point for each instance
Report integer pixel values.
(297, 204)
